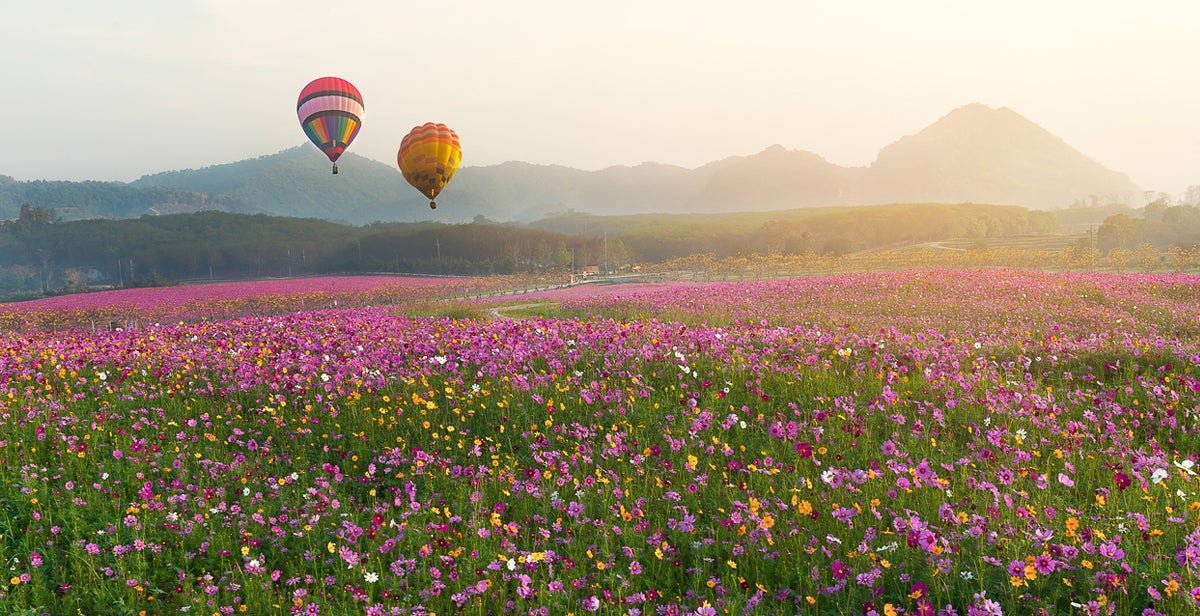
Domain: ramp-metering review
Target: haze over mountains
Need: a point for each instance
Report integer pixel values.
(974, 154)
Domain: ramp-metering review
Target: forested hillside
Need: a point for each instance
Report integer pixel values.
(40, 253)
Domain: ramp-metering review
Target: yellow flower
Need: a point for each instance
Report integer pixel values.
(329, 546)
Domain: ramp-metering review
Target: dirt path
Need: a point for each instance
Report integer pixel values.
(499, 312)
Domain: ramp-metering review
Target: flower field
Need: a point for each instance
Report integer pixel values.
(155, 305)
(970, 442)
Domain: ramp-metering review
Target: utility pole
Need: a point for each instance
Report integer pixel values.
(606, 253)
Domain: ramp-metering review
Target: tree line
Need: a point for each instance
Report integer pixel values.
(41, 254)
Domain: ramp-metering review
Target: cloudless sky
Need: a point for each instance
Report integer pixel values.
(118, 89)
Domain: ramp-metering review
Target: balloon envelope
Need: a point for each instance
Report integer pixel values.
(428, 157)
(330, 110)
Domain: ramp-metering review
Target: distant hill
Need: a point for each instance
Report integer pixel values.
(973, 154)
(984, 155)
(297, 182)
(89, 200)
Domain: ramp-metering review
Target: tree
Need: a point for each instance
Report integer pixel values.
(562, 256)
(1179, 258)
(1118, 231)
(1119, 258)
(1147, 257)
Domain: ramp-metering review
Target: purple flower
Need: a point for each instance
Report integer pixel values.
(1044, 564)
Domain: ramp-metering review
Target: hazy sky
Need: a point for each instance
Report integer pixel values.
(117, 89)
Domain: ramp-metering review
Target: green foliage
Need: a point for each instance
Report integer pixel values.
(660, 237)
(1160, 226)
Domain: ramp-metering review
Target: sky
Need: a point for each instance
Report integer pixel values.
(118, 89)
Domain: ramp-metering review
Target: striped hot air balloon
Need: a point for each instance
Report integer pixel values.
(330, 111)
(428, 157)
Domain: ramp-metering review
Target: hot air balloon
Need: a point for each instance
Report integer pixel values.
(428, 157)
(330, 111)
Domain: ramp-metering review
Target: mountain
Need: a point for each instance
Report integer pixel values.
(774, 179)
(974, 154)
(295, 182)
(984, 155)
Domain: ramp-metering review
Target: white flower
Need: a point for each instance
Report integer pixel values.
(1159, 475)
(1186, 466)
(371, 577)
(102, 375)
(512, 564)
(967, 575)
(1021, 433)
(254, 564)
(245, 491)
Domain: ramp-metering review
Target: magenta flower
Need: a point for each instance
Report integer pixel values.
(1044, 564)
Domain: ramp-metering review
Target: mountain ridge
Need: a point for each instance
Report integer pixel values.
(973, 154)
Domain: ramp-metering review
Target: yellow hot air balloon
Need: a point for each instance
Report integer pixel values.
(428, 157)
